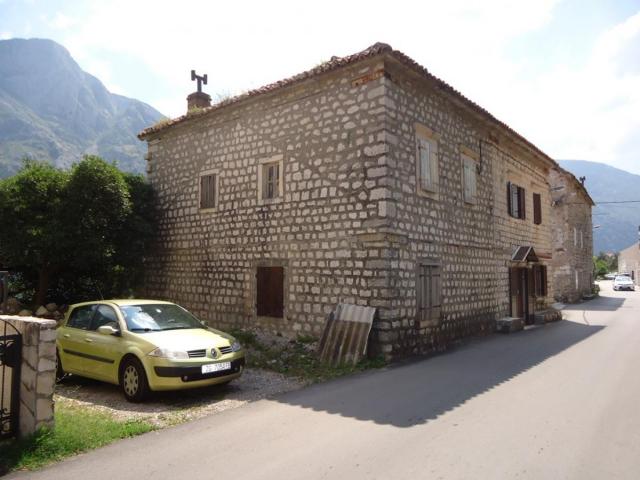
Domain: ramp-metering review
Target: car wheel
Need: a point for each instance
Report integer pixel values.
(60, 373)
(133, 380)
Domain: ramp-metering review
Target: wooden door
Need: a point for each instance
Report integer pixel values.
(519, 292)
(270, 292)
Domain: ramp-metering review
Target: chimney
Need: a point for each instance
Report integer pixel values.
(198, 99)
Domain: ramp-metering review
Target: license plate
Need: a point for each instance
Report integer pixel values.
(216, 367)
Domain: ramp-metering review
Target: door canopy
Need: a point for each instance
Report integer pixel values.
(524, 254)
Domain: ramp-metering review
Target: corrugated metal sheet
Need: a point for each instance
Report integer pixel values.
(346, 333)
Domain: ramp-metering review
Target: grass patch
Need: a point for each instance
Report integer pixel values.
(76, 430)
(296, 358)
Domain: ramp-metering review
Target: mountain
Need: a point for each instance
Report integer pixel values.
(50, 109)
(618, 222)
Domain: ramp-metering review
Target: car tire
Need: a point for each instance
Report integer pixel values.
(133, 380)
(60, 373)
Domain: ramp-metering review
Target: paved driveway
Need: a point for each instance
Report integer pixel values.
(560, 401)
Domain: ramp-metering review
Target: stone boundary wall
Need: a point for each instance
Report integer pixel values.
(38, 371)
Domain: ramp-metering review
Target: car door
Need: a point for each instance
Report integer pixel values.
(71, 339)
(105, 350)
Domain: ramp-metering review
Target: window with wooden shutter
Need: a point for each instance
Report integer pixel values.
(271, 180)
(429, 293)
(537, 209)
(426, 160)
(540, 279)
(426, 165)
(469, 179)
(208, 190)
(516, 201)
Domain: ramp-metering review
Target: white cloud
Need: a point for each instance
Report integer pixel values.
(587, 111)
(590, 112)
(5, 35)
(61, 21)
(246, 44)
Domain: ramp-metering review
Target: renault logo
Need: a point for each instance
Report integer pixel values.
(214, 353)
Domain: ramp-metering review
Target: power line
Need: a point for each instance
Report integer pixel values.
(621, 201)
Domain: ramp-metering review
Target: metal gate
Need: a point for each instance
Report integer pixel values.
(10, 360)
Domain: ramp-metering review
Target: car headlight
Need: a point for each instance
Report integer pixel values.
(235, 346)
(168, 353)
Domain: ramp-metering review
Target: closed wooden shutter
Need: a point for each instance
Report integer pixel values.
(429, 293)
(469, 179)
(521, 203)
(537, 209)
(208, 191)
(426, 165)
(509, 200)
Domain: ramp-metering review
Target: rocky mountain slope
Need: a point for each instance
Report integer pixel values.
(618, 221)
(51, 109)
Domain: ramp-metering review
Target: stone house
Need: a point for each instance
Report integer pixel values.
(365, 180)
(629, 262)
(572, 230)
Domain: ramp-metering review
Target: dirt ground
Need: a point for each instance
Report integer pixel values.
(170, 408)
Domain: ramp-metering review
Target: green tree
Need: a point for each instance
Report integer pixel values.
(32, 235)
(76, 230)
(600, 267)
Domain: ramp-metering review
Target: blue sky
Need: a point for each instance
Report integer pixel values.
(564, 73)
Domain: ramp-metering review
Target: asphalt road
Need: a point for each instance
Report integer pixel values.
(556, 402)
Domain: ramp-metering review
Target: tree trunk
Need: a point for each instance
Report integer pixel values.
(44, 278)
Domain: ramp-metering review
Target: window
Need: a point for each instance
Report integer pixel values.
(515, 201)
(428, 294)
(270, 178)
(581, 240)
(208, 190)
(469, 178)
(575, 237)
(540, 280)
(537, 209)
(426, 159)
(105, 315)
(270, 292)
(81, 317)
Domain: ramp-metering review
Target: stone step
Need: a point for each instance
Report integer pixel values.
(509, 324)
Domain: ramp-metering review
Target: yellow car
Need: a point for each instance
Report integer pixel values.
(145, 345)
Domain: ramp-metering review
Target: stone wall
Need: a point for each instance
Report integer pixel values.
(328, 133)
(572, 229)
(37, 375)
(350, 226)
(472, 242)
(629, 262)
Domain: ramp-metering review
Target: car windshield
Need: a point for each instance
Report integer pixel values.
(158, 317)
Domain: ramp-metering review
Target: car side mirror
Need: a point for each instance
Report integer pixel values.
(108, 330)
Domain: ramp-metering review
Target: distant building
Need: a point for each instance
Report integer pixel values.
(365, 180)
(572, 235)
(629, 262)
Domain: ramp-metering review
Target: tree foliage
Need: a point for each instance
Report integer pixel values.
(76, 234)
(605, 263)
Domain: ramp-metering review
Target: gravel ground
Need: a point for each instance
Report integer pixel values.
(169, 408)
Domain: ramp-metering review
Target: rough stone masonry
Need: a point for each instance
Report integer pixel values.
(37, 372)
(352, 220)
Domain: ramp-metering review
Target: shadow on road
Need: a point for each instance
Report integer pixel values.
(411, 394)
(601, 304)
